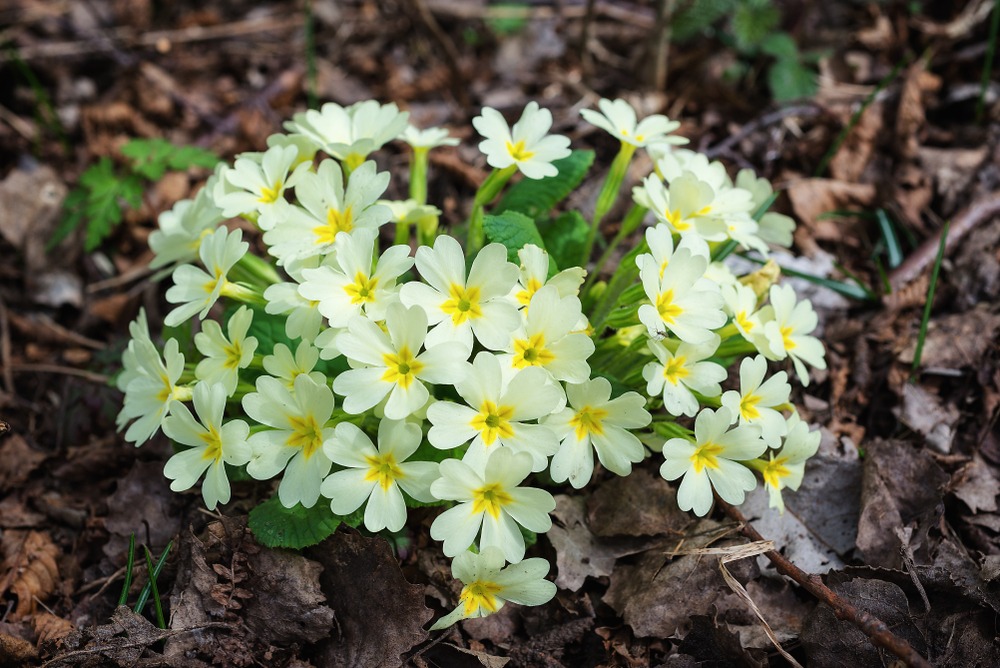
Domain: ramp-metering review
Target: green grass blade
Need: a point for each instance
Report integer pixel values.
(150, 586)
(856, 290)
(988, 64)
(160, 622)
(892, 246)
(832, 151)
(128, 570)
(930, 301)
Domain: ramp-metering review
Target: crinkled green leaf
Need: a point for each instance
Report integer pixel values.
(565, 237)
(513, 230)
(295, 527)
(536, 197)
(695, 17)
(152, 157)
(752, 22)
(789, 79)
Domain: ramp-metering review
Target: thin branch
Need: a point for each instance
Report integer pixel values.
(101, 379)
(876, 630)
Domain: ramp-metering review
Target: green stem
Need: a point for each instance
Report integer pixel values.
(243, 293)
(402, 237)
(607, 196)
(418, 175)
(632, 220)
(624, 277)
(735, 346)
(256, 271)
(487, 192)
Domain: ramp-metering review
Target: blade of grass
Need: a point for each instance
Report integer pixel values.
(128, 570)
(150, 586)
(892, 246)
(825, 162)
(930, 301)
(160, 622)
(988, 64)
(856, 290)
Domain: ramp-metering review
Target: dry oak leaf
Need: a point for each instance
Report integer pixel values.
(811, 198)
(29, 569)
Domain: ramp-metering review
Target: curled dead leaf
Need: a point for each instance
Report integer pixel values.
(50, 629)
(30, 569)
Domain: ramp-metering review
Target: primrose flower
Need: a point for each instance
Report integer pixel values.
(181, 229)
(327, 209)
(488, 585)
(618, 118)
(490, 499)
(686, 206)
(255, 184)
(131, 369)
(214, 444)
(660, 240)
(390, 363)
(526, 145)
(303, 319)
(677, 375)
(377, 475)
(547, 339)
(683, 302)
(784, 469)
(350, 134)
(788, 332)
(775, 228)
(349, 285)
(459, 307)
(224, 357)
(294, 442)
(197, 290)
(595, 421)
(758, 401)
(712, 461)
(741, 304)
(534, 274)
(497, 413)
(428, 138)
(152, 387)
(282, 365)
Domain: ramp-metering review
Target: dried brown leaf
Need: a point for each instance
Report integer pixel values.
(50, 629)
(812, 197)
(29, 568)
(17, 461)
(641, 504)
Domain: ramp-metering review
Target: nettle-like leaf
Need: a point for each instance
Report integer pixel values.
(696, 17)
(152, 157)
(788, 78)
(752, 22)
(536, 197)
(97, 203)
(513, 230)
(565, 237)
(297, 527)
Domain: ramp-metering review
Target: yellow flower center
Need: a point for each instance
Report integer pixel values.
(774, 471)
(531, 352)
(354, 160)
(524, 296)
(271, 195)
(676, 220)
(744, 321)
(462, 303)
(234, 355)
(213, 444)
(674, 370)
(480, 594)
(307, 435)
(491, 499)
(748, 407)
(588, 420)
(362, 290)
(786, 337)
(706, 456)
(666, 308)
(337, 221)
(518, 152)
(383, 469)
(401, 368)
(493, 422)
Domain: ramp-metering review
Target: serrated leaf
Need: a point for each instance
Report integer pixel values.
(192, 156)
(295, 527)
(752, 22)
(780, 45)
(536, 197)
(565, 237)
(696, 17)
(513, 230)
(789, 79)
(149, 156)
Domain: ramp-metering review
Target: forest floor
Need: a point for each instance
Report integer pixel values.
(898, 512)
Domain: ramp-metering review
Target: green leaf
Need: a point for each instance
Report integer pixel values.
(697, 17)
(513, 230)
(185, 157)
(752, 22)
(781, 46)
(789, 79)
(269, 330)
(536, 197)
(295, 527)
(152, 157)
(565, 237)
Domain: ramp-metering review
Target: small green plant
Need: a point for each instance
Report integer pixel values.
(150, 588)
(96, 202)
(753, 30)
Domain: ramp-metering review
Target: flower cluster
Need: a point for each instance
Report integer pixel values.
(369, 378)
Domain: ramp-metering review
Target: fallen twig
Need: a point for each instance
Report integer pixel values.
(963, 223)
(876, 630)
